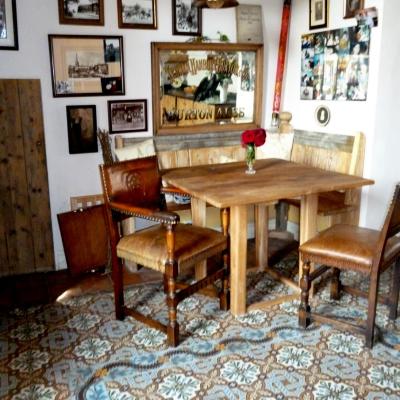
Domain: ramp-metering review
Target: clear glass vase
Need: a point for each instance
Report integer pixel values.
(250, 159)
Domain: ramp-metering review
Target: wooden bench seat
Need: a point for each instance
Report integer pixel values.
(333, 152)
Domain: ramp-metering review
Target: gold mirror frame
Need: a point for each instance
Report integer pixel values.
(206, 87)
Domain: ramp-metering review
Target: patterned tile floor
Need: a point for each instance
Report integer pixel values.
(75, 348)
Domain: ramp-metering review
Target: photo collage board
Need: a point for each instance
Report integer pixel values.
(335, 64)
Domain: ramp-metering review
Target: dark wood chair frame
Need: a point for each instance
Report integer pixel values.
(381, 261)
(118, 210)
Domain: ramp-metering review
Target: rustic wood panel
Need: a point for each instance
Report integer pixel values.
(16, 206)
(188, 141)
(275, 179)
(36, 173)
(5, 197)
(324, 140)
(24, 211)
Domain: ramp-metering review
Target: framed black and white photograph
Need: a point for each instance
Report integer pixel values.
(86, 65)
(352, 7)
(127, 116)
(137, 14)
(81, 12)
(8, 25)
(82, 129)
(186, 18)
(318, 14)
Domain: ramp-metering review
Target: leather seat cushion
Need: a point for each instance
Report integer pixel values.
(148, 247)
(348, 246)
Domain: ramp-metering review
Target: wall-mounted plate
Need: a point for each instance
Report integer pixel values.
(322, 115)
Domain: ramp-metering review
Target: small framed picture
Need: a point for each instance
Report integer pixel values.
(86, 65)
(82, 129)
(137, 14)
(318, 14)
(127, 116)
(186, 18)
(352, 7)
(81, 12)
(322, 115)
(8, 25)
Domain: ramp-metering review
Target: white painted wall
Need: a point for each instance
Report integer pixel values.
(384, 160)
(375, 117)
(73, 175)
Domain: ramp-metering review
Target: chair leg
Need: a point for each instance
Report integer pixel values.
(372, 302)
(165, 282)
(305, 284)
(173, 326)
(224, 294)
(281, 210)
(394, 293)
(335, 284)
(118, 284)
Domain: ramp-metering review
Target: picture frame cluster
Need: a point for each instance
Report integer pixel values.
(93, 65)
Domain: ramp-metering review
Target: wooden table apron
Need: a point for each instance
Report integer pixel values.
(227, 185)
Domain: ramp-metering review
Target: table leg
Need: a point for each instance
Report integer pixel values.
(261, 235)
(198, 208)
(238, 256)
(308, 221)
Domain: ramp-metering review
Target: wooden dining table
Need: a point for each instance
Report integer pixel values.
(228, 186)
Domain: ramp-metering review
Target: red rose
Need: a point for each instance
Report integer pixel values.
(247, 137)
(259, 136)
(254, 136)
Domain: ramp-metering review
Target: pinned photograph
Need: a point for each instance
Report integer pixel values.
(137, 14)
(368, 16)
(186, 18)
(81, 12)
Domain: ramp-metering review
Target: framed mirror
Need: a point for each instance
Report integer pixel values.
(203, 87)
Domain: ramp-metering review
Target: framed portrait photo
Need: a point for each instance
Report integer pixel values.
(137, 14)
(81, 12)
(127, 116)
(86, 65)
(352, 7)
(8, 25)
(186, 18)
(318, 14)
(82, 129)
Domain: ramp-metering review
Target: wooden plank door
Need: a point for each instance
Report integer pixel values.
(26, 243)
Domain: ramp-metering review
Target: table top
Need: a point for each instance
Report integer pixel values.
(221, 184)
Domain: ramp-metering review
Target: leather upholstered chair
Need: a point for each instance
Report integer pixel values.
(133, 188)
(367, 251)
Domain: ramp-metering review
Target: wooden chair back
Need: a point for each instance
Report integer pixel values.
(136, 182)
(391, 227)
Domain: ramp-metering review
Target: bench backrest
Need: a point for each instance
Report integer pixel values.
(339, 153)
(191, 150)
